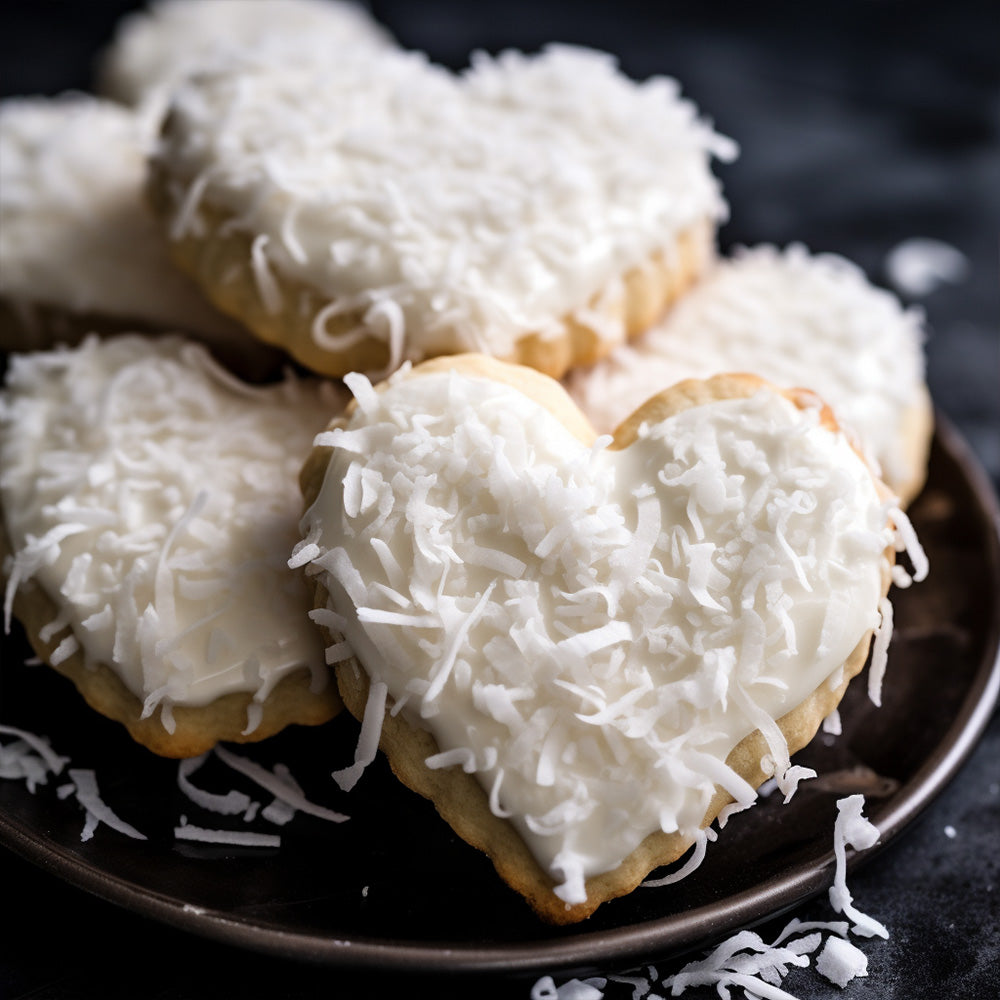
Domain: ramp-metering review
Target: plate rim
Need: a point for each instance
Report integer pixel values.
(671, 934)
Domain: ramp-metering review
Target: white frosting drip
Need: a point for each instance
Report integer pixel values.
(593, 631)
(793, 318)
(75, 232)
(154, 499)
(154, 49)
(459, 212)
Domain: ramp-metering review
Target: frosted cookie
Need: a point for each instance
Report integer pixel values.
(581, 649)
(79, 249)
(381, 209)
(796, 319)
(149, 503)
(155, 48)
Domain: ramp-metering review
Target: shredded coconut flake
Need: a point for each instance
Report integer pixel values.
(702, 839)
(84, 787)
(918, 266)
(237, 838)
(277, 784)
(368, 740)
(745, 961)
(840, 961)
(30, 758)
(907, 541)
(573, 989)
(230, 804)
(854, 830)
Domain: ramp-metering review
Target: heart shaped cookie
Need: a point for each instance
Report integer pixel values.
(154, 48)
(378, 208)
(796, 319)
(80, 251)
(588, 646)
(148, 504)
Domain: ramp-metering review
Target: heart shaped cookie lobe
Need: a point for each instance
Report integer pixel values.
(590, 628)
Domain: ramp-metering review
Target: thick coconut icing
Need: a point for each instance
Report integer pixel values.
(454, 212)
(153, 497)
(75, 233)
(795, 319)
(592, 631)
(156, 47)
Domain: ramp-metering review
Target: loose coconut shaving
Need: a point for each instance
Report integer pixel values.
(745, 961)
(30, 758)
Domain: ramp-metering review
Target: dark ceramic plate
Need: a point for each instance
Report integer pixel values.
(394, 888)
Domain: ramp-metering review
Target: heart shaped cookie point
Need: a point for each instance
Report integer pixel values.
(590, 645)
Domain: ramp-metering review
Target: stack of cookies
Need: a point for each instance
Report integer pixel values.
(337, 377)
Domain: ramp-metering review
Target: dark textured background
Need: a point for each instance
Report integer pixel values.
(861, 124)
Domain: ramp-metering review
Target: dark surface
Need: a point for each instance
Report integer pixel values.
(860, 125)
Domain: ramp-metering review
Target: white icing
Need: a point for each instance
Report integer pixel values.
(454, 211)
(75, 232)
(796, 319)
(156, 47)
(154, 498)
(641, 613)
